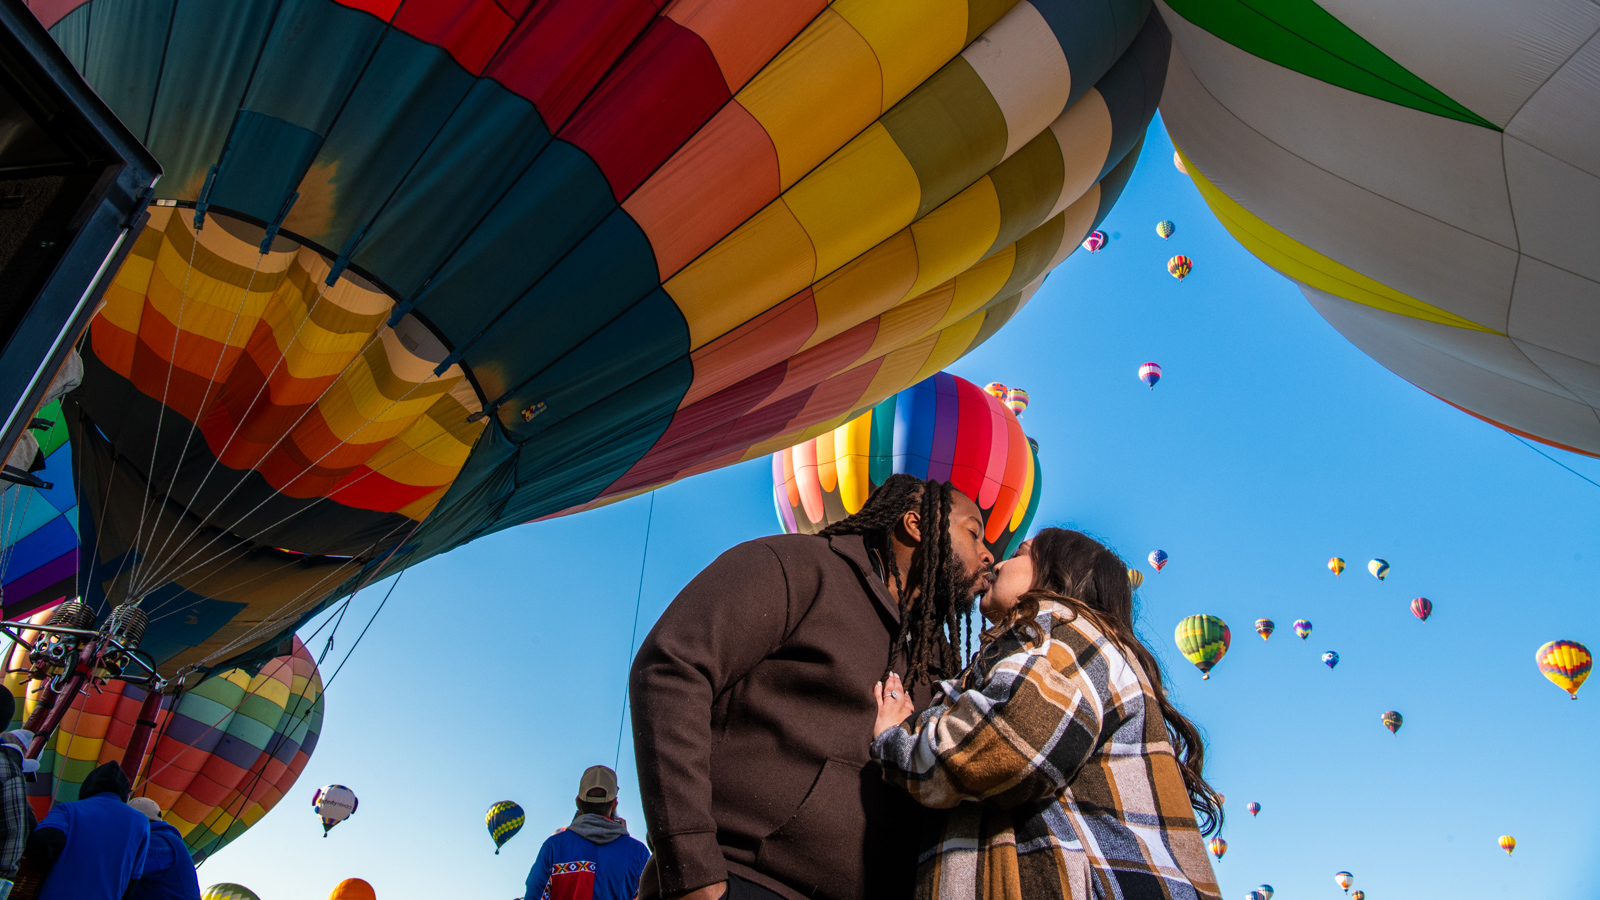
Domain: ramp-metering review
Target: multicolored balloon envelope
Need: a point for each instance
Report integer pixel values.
(1359, 895)
(1508, 843)
(333, 804)
(1253, 808)
(1379, 568)
(1330, 659)
(1158, 559)
(1566, 664)
(227, 891)
(222, 755)
(1343, 879)
(1165, 229)
(1392, 721)
(1425, 173)
(1180, 266)
(1302, 627)
(1218, 846)
(1336, 565)
(1135, 578)
(422, 271)
(1264, 627)
(1266, 891)
(1203, 640)
(1422, 608)
(1095, 241)
(1150, 373)
(945, 428)
(504, 820)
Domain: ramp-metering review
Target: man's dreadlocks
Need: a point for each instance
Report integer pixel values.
(933, 595)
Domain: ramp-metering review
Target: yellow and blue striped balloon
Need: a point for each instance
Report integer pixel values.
(504, 820)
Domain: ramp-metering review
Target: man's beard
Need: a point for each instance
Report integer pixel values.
(961, 594)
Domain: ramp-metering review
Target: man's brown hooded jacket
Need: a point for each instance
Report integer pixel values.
(752, 718)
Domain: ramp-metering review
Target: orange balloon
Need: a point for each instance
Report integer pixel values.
(353, 889)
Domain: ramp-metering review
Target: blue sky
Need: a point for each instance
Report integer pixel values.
(497, 672)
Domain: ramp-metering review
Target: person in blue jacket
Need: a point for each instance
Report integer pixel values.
(168, 872)
(593, 858)
(91, 848)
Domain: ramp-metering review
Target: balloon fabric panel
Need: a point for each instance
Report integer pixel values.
(906, 175)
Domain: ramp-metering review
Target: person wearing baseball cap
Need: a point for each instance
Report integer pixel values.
(593, 858)
(168, 872)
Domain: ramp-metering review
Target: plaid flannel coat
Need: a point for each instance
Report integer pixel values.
(1053, 764)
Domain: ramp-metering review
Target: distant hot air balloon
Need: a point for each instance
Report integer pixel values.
(1180, 266)
(1302, 628)
(1150, 373)
(1017, 399)
(1254, 895)
(1508, 843)
(1266, 891)
(1379, 568)
(1330, 659)
(1422, 608)
(1135, 578)
(333, 804)
(1177, 162)
(1158, 559)
(944, 428)
(1095, 241)
(1220, 798)
(1165, 228)
(353, 889)
(504, 820)
(1392, 721)
(228, 891)
(1336, 565)
(1253, 808)
(1218, 847)
(1344, 880)
(1566, 664)
(1203, 640)
(1264, 628)
(1359, 895)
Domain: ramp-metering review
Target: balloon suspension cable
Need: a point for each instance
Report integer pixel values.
(1554, 460)
(357, 643)
(633, 636)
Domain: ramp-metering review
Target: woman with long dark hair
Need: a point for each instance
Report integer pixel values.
(1062, 769)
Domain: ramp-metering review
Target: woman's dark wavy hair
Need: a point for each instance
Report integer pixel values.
(931, 626)
(1072, 568)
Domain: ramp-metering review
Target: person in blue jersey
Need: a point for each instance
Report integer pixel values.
(91, 848)
(593, 858)
(168, 872)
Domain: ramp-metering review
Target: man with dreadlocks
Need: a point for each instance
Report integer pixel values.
(753, 707)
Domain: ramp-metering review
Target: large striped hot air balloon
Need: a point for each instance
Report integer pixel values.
(1425, 173)
(421, 271)
(1203, 640)
(945, 428)
(504, 820)
(1566, 664)
(1265, 627)
(222, 754)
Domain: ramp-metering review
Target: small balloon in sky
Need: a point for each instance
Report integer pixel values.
(1177, 161)
(1158, 559)
(1218, 847)
(333, 804)
(1330, 659)
(1336, 565)
(1253, 808)
(1359, 895)
(1508, 843)
(1302, 627)
(1266, 891)
(1165, 228)
(1016, 399)
(1255, 895)
(504, 820)
(996, 390)
(1392, 721)
(1180, 266)
(1095, 241)
(1379, 568)
(1264, 627)
(1344, 880)
(1150, 373)
(1422, 608)
(1203, 640)
(1566, 664)
(1135, 578)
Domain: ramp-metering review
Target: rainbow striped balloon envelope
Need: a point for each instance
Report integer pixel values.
(223, 753)
(1566, 664)
(945, 429)
(421, 271)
